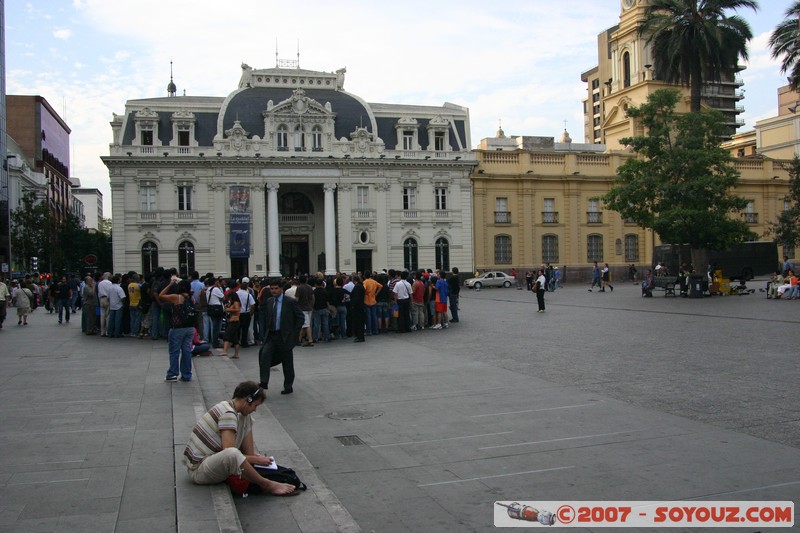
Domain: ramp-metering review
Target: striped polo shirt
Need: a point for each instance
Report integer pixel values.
(206, 436)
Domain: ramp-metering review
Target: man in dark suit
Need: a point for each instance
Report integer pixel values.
(284, 320)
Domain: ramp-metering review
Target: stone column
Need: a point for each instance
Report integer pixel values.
(273, 230)
(259, 231)
(330, 230)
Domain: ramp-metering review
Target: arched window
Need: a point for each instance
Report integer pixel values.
(502, 250)
(316, 139)
(442, 254)
(594, 248)
(282, 138)
(550, 248)
(631, 247)
(149, 257)
(185, 259)
(299, 139)
(626, 69)
(410, 257)
(295, 203)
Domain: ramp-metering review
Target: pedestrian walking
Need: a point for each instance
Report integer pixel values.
(606, 276)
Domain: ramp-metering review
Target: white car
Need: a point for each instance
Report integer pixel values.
(490, 279)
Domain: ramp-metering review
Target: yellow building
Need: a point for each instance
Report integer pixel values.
(624, 77)
(537, 201)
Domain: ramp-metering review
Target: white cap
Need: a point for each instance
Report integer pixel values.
(245, 280)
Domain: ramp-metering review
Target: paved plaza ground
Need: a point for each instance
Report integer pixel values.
(606, 396)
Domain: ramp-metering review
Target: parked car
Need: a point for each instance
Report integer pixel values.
(490, 279)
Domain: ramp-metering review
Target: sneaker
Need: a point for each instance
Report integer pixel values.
(173, 379)
(444, 326)
(184, 379)
(612, 288)
(413, 328)
(436, 326)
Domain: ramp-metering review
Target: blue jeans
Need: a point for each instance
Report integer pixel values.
(63, 303)
(216, 325)
(115, 322)
(321, 317)
(180, 353)
(341, 317)
(208, 327)
(372, 318)
(155, 314)
(136, 320)
(200, 348)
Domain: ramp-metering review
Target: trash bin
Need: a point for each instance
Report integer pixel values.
(696, 286)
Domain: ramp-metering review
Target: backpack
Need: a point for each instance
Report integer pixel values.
(240, 486)
(184, 315)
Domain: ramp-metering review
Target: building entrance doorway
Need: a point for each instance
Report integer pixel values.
(294, 254)
(239, 268)
(363, 260)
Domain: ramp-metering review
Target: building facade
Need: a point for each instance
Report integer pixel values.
(624, 77)
(289, 173)
(537, 201)
(43, 137)
(92, 200)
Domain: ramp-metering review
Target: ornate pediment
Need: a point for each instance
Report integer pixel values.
(296, 106)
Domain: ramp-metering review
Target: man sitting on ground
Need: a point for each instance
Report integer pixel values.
(221, 443)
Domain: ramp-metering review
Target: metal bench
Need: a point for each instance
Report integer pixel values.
(666, 284)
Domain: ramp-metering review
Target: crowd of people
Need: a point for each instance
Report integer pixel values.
(230, 314)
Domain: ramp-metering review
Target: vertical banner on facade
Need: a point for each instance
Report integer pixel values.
(239, 199)
(240, 235)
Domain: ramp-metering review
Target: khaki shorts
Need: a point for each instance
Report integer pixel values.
(216, 468)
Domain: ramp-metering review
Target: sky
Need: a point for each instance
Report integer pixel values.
(512, 63)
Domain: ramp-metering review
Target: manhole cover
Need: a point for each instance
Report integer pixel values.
(350, 440)
(354, 415)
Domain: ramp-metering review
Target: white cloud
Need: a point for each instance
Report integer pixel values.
(63, 33)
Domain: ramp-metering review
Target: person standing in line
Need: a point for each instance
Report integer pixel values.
(102, 293)
(89, 307)
(284, 320)
(442, 290)
(134, 297)
(595, 277)
(216, 310)
(454, 286)
(606, 276)
(540, 288)
(116, 297)
(341, 301)
(402, 293)
(418, 303)
(305, 300)
(357, 308)
(233, 306)
(181, 331)
(371, 288)
(321, 317)
(247, 301)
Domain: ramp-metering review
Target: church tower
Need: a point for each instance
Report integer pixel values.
(625, 76)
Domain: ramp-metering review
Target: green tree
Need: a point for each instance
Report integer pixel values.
(30, 226)
(785, 44)
(61, 246)
(682, 184)
(786, 230)
(694, 41)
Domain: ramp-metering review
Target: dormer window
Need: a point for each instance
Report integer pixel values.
(408, 139)
(183, 130)
(310, 123)
(439, 134)
(407, 134)
(146, 124)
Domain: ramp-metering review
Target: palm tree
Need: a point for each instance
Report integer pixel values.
(694, 41)
(785, 42)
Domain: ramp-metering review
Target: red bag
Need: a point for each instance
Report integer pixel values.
(238, 485)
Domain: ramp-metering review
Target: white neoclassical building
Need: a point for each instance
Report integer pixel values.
(289, 173)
